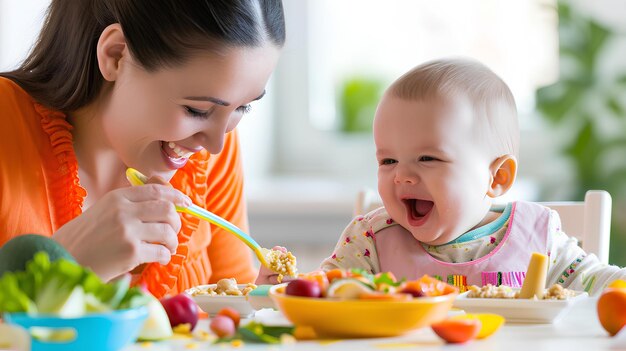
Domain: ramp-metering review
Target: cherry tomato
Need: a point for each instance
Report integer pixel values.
(230, 313)
(222, 326)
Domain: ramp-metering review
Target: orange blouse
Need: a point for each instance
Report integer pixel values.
(40, 191)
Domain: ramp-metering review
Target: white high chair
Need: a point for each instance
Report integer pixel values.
(588, 221)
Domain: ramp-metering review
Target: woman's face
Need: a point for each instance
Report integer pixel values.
(155, 121)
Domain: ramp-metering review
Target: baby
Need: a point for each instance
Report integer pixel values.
(447, 143)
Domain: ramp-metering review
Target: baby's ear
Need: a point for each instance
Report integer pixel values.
(503, 171)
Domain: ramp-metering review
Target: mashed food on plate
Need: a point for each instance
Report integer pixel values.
(224, 287)
(555, 292)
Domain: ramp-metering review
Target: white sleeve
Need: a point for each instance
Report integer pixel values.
(355, 248)
(574, 269)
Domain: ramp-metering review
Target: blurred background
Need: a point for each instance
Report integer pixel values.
(308, 145)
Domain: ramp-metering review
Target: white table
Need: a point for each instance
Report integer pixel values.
(579, 329)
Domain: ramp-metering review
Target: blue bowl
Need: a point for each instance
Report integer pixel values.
(95, 332)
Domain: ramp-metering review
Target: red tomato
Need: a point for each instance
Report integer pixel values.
(457, 330)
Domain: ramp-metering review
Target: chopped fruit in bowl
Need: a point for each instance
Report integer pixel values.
(348, 288)
(358, 304)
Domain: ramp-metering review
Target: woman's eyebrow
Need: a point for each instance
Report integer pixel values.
(216, 100)
(208, 98)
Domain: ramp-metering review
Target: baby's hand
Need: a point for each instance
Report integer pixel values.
(267, 276)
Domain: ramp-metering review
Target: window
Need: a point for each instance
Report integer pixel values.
(329, 41)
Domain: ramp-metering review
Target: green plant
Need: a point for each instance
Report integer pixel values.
(587, 100)
(358, 100)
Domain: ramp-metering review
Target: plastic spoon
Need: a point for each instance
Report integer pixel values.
(137, 178)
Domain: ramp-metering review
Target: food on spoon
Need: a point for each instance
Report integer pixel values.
(535, 280)
(181, 309)
(457, 330)
(304, 288)
(282, 262)
(611, 307)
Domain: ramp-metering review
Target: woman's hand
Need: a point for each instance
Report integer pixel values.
(125, 228)
(267, 276)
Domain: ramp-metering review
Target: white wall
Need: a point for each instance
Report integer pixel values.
(20, 22)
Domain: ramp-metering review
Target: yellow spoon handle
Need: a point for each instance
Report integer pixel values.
(137, 178)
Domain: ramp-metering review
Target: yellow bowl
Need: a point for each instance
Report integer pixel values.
(361, 318)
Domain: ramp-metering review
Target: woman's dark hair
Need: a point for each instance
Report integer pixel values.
(62, 71)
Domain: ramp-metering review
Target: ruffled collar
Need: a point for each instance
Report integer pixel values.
(62, 176)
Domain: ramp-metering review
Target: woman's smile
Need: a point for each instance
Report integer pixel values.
(175, 155)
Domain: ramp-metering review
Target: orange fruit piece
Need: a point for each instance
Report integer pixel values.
(335, 274)
(457, 330)
(490, 322)
(429, 286)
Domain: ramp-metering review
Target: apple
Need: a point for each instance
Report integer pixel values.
(303, 287)
(181, 309)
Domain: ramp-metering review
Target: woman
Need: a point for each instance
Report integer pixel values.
(154, 85)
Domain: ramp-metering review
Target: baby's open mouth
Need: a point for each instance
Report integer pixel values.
(417, 209)
(175, 151)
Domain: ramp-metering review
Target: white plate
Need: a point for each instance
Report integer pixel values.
(519, 310)
(213, 304)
